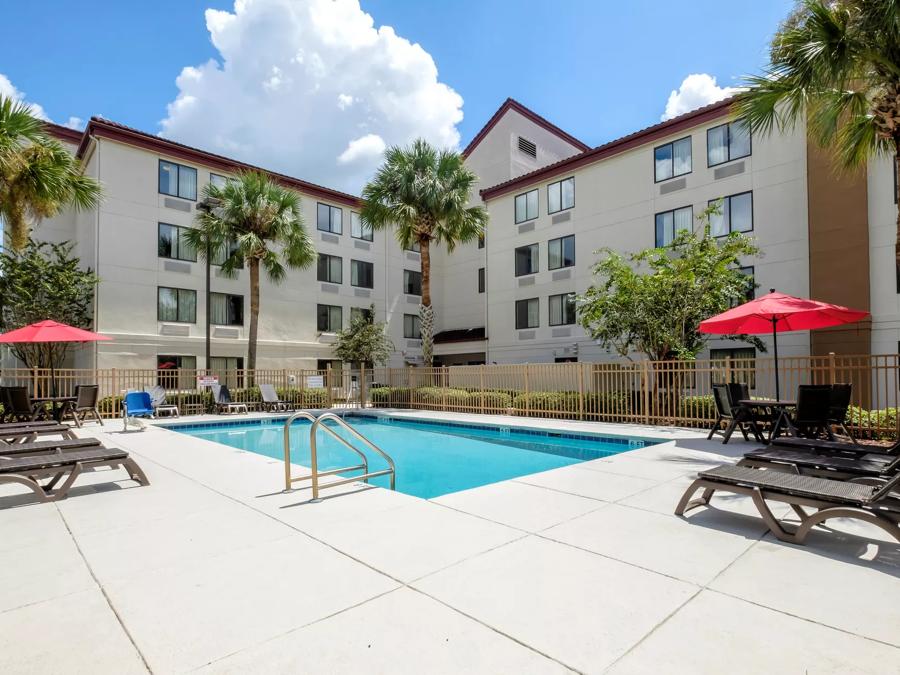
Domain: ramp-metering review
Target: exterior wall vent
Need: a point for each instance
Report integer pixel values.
(364, 245)
(672, 186)
(730, 170)
(561, 218)
(562, 274)
(412, 255)
(175, 329)
(232, 333)
(526, 334)
(173, 266)
(362, 293)
(329, 288)
(527, 147)
(526, 281)
(526, 227)
(177, 204)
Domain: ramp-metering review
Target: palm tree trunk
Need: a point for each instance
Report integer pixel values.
(254, 319)
(897, 198)
(426, 313)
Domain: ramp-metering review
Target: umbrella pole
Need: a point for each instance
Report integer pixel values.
(775, 349)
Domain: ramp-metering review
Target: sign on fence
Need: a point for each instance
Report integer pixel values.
(207, 380)
(315, 381)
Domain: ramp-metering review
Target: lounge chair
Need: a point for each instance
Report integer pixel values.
(820, 445)
(840, 403)
(136, 404)
(811, 417)
(838, 466)
(874, 504)
(40, 447)
(270, 400)
(85, 404)
(222, 399)
(158, 403)
(27, 433)
(29, 470)
(733, 415)
(18, 406)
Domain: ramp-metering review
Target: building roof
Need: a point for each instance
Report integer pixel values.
(99, 126)
(674, 125)
(512, 104)
(63, 133)
(460, 335)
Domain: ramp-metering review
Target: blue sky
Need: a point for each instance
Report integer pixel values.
(597, 69)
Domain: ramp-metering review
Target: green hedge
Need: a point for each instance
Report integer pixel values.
(193, 402)
(388, 397)
(443, 396)
(697, 407)
(875, 424)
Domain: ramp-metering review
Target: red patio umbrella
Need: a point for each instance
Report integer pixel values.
(51, 331)
(779, 313)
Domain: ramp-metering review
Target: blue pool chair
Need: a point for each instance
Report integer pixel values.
(136, 404)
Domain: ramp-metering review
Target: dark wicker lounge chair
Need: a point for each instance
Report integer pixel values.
(270, 400)
(26, 433)
(40, 447)
(874, 504)
(832, 447)
(222, 399)
(65, 467)
(733, 415)
(85, 404)
(837, 466)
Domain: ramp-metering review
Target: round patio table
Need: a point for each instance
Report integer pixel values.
(58, 404)
(781, 405)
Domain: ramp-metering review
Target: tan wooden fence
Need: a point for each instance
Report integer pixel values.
(663, 393)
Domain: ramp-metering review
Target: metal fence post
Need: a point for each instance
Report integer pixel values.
(645, 365)
(527, 395)
(580, 367)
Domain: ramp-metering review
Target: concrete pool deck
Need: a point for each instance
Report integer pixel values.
(213, 569)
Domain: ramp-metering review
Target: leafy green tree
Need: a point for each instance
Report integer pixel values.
(424, 193)
(253, 221)
(835, 64)
(653, 301)
(364, 341)
(38, 176)
(44, 281)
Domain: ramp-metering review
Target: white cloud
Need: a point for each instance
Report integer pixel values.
(9, 91)
(74, 123)
(696, 91)
(311, 88)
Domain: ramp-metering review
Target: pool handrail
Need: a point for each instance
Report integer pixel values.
(314, 475)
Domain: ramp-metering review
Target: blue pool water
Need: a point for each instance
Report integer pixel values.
(431, 458)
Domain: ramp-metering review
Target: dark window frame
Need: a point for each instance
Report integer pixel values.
(417, 322)
(226, 296)
(672, 160)
(536, 258)
(327, 258)
(727, 144)
(537, 207)
(159, 318)
(561, 254)
(177, 180)
(329, 328)
(561, 207)
(179, 228)
(371, 267)
(537, 314)
(482, 284)
(749, 271)
(406, 285)
(674, 233)
(550, 309)
(729, 198)
(218, 175)
(362, 227)
(365, 311)
(331, 210)
(480, 241)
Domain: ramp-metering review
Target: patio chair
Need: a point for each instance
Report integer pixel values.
(222, 399)
(158, 402)
(874, 504)
(840, 404)
(85, 404)
(270, 400)
(41, 447)
(136, 404)
(821, 445)
(11, 435)
(18, 406)
(812, 463)
(812, 413)
(734, 417)
(28, 471)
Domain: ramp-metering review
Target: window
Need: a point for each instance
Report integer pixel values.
(526, 260)
(670, 223)
(415, 247)
(330, 268)
(527, 313)
(412, 327)
(362, 274)
(736, 215)
(362, 312)
(561, 195)
(481, 241)
(750, 273)
(561, 252)
(229, 249)
(328, 218)
(226, 309)
(562, 309)
(672, 159)
(169, 373)
(481, 280)
(527, 147)
(412, 282)
(329, 318)
(742, 364)
(359, 229)
(177, 180)
(527, 206)
(228, 369)
(176, 304)
(172, 245)
(218, 181)
(727, 142)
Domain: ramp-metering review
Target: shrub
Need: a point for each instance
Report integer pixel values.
(875, 424)
(387, 397)
(304, 398)
(492, 400)
(697, 407)
(442, 396)
(559, 404)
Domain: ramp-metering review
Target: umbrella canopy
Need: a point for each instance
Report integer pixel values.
(51, 331)
(779, 313)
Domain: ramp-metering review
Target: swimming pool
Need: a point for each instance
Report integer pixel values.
(432, 458)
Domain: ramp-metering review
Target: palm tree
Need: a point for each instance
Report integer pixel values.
(424, 193)
(38, 176)
(835, 63)
(252, 220)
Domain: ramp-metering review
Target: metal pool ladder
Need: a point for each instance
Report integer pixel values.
(315, 474)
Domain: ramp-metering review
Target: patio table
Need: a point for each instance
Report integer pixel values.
(780, 405)
(58, 404)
